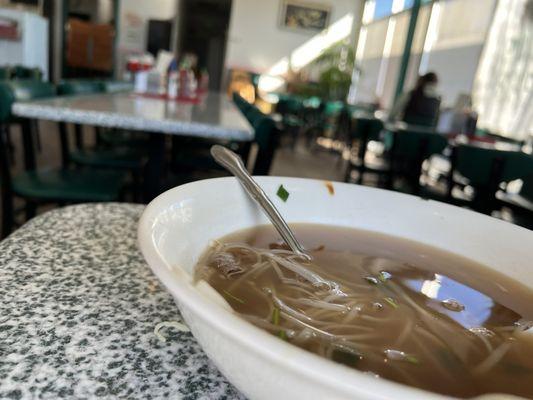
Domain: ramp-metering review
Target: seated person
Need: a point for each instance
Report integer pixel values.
(420, 106)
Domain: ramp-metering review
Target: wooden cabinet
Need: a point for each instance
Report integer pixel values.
(90, 46)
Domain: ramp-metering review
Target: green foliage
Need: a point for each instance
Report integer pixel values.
(335, 64)
(340, 55)
(334, 83)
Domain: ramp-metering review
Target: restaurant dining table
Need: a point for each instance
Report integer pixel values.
(78, 311)
(210, 116)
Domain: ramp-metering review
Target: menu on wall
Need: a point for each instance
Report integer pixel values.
(132, 30)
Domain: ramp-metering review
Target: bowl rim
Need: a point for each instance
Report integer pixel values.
(301, 362)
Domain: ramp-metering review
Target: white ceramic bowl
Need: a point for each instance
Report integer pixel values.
(177, 226)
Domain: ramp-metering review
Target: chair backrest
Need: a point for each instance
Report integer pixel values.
(5, 73)
(243, 105)
(486, 166)
(289, 105)
(527, 187)
(333, 108)
(81, 86)
(21, 90)
(21, 72)
(367, 128)
(411, 145)
(266, 134)
(10, 92)
(267, 138)
(112, 86)
(518, 165)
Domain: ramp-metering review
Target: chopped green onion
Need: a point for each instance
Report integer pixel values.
(228, 294)
(384, 276)
(411, 359)
(343, 357)
(282, 193)
(391, 301)
(275, 316)
(275, 321)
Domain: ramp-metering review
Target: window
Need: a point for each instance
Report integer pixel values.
(383, 8)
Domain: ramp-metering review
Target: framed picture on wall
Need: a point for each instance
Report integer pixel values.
(304, 16)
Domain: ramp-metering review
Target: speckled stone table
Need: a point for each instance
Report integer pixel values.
(215, 116)
(78, 310)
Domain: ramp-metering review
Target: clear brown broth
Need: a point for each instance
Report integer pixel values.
(469, 312)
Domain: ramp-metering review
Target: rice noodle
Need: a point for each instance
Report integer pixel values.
(178, 325)
(492, 359)
(254, 270)
(310, 306)
(407, 329)
(307, 274)
(322, 304)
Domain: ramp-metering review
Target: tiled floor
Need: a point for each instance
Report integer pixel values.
(305, 164)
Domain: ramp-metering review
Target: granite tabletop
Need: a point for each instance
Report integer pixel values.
(78, 310)
(213, 116)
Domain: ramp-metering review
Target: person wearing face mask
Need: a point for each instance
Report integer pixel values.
(420, 106)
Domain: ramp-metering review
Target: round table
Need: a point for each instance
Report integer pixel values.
(78, 310)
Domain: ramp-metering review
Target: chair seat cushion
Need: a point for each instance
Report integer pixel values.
(69, 185)
(113, 157)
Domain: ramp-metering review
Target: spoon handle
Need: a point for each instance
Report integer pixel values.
(233, 163)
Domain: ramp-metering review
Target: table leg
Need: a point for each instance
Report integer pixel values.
(154, 167)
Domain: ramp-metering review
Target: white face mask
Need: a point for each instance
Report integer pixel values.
(430, 89)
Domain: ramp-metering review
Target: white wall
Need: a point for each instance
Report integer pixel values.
(31, 50)
(457, 47)
(105, 11)
(451, 48)
(256, 40)
(133, 23)
(99, 11)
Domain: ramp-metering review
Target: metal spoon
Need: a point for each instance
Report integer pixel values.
(233, 163)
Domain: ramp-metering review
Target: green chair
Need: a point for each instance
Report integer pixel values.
(77, 87)
(192, 154)
(290, 108)
(519, 203)
(44, 185)
(5, 73)
(313, 120)
(112, 137)
(267, 135)
(119, 155)
(518, 165)
(21, 72)
(362, 130)
(409, 148)
(80, 86)
(113, 86)
(486, 168)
